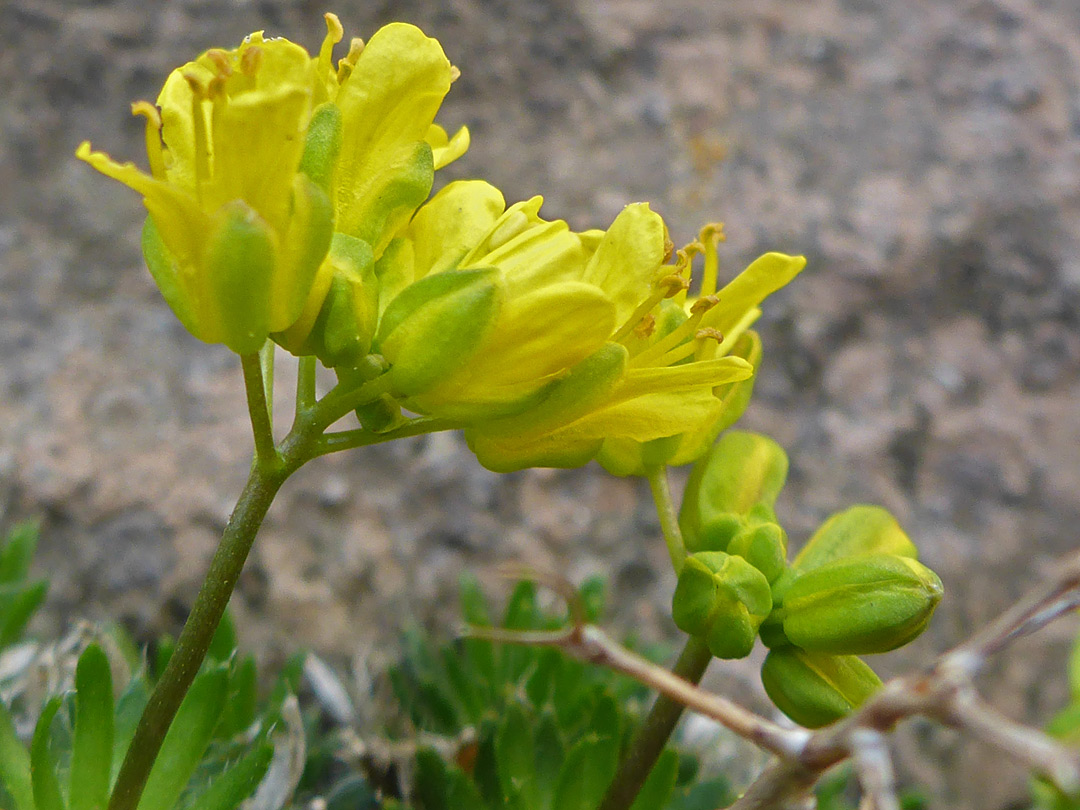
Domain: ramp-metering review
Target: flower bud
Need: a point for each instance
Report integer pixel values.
(868, 603)
(815, 689)
(861, 529)
(721, 599)
(740, 472)
(764, 546)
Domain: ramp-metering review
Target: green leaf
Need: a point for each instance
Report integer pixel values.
(186, 740)
(14, 764)
(469, 699)
(439, 787)
(586, 774)
(18, 612)
(516, 758)
(593, 593)
(18, 551)
(521, 614)
(239, 781)
(129, 709)
(705, 796)
(43, 764)
(661, 782)
(92, 748)
(223, 645)
(550, 753)
(240, 709)
(479, 654)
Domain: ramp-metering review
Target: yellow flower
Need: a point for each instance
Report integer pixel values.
(733, 310)
(374, 148)
(525, 331)
(236, 232)
(659, 390)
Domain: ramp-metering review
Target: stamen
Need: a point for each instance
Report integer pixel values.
(220, 60)
(657, 354)
(711, 235)
(646, 327)
(666, 287)
(346, 64)
(198, 122)
(250, 60)
(455, 73)
(684, 350)
(153, 137)
(334, 34)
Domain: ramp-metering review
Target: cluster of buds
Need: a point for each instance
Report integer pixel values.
(288, 200)
(856, 588)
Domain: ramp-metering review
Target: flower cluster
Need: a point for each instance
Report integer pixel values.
(288, 200)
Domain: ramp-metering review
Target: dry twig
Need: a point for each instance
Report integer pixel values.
(943, 692)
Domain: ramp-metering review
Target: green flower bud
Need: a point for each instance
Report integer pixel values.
(815, 689)
(435, 325)
(868, 603)
(721, 599)
(763, 546)
(859, 530)
(741, 471)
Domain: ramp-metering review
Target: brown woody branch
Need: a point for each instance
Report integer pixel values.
(943, 692)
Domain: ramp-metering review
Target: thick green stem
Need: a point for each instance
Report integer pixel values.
(305, 385)
(655, 732)
(669, 518)
(191, 647)
(350, 439)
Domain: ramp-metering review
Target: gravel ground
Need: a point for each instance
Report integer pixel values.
(924, 156)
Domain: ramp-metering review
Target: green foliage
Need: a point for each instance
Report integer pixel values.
(20, 596)
(532, 728)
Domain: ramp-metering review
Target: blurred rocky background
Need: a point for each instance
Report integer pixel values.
(924, 155)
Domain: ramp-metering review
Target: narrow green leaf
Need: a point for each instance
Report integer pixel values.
(92, 747)
(550, 753)
(239, 781)
(224, 643)
(14, 764)
(186, 740)
(129, 709)
(20, 610)
(586, 774)
(43, 764)
(240, 708)
(439, 787)
(661, 782)
(479, 654)
(516, 757)
(18, 551)
(521, 614)
(469, 700)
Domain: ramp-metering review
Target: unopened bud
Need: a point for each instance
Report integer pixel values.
(764, 546)
(859, 530)
(721, 599)
(815, 689)
(868, 603)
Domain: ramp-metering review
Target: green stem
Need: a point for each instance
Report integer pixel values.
(342, 400)
(191, 647)
(305, 385)
(669, 518)
(349, 439)
(255, 385)
(658, 727)
(655, 732)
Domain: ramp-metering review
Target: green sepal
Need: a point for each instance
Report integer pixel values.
(435, 326)
(740, 472)
(322, 146)
(721, 599)
(816, 689)
(862, 529)
(764, 546)
(163, 268)
(863, 604)
(240, 266)
(395, 194)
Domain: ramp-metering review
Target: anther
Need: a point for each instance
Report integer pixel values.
(220, 60)
(250, 60)
(455, 73)
(704, 304)
(709, 333)
(645, 327)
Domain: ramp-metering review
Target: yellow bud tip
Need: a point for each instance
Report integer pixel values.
(708, 333)
(704, 304)
(455, 73)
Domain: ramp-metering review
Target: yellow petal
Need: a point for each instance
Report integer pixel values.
(764, 276)
(451, 223)
(446, 150)
(627, 259)
(388, 104)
